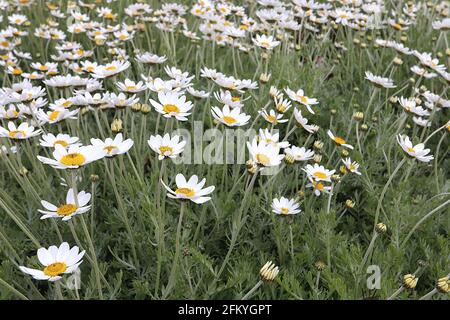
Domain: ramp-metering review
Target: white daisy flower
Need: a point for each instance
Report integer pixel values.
(113, 147)
(230, 118)
(49, 140)
(299, 154)
(130, 86)
(285, 206)
(300, 97)
(166, 146)
(272, 138)
(110, 69)
(265, 42)
(191, 189)
(418, 151)
(318, 172)
(56, 262)
(264, 154)
(318, 186)
(272, 117)
(172, 104)
(73, 157)
(352, 167)
(23, 131)
(409, 105)
(379, 81)
(149, 58)
(338, 140)
(68, 209)
(303, 122)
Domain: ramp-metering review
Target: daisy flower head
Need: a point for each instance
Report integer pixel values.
(21, 132)
(284, 206)
(301, 98)
(418, 151)
(172, 104)
(298, 154)
(49, 140)
(272, 138)
(264, 154)
(166, 146)
(318, 186)
(56, 262)
(378, 81)
(69, 209)
(130, 86)
(73, 157)
(190, 189)
(351, 166)
(338, 140)
(230, 118)
(410, 106)
(265, 42)
(272, 117)
(303, 122)
(56, 115)
(225, 97)
(318, 172)
(110, 69)
(113, 147)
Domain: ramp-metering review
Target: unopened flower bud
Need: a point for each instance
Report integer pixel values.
(358, 116)
(318, 145)
(145, 108)
(410, 281)
(136, 107)
(23, 171)
(264, 77)
(317, 158)
(320, 265)
(116, 125)
(94, 178)
(380, 228)
(269, 271)
(349, 203)
(443, 285)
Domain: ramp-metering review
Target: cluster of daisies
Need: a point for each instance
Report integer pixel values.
(37, 97)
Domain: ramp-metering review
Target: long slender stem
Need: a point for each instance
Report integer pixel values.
(252, 290)
(88, 237)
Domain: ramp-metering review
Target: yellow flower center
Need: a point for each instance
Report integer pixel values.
(263, 159)
(43, 68)
(73, 159)
(271, 119)
(109, 149)
(185, 191)
(66, 209)
(411, 150)
(165, 150)
(320, 175)
(285, 210)
(53, 115)
(55, 269)
(17, 134)
(229, 120)
(318, 185)
(67, 104)
(171, 108)
(61, 142)
(111, 68)
(397, 26)
(339, 140)
(303, 99)
(131, 88)
(235, 99)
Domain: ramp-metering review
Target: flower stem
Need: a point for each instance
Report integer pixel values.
(252, 291)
